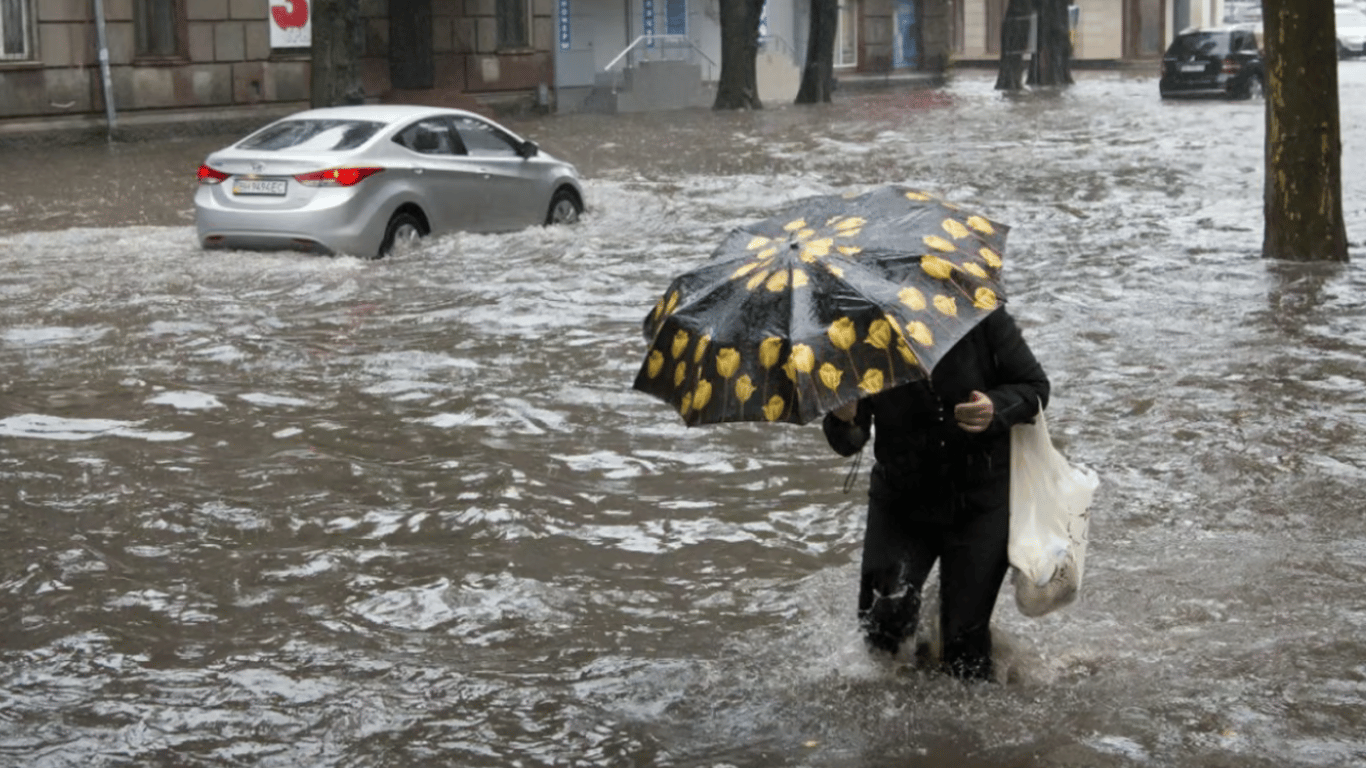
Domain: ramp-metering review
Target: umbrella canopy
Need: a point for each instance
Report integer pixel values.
(836, 298)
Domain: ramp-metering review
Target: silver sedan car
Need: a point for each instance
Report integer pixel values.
(367, 180)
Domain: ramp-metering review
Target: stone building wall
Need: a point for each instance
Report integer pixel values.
(936, 37)
(227, 61)
(1100, 38)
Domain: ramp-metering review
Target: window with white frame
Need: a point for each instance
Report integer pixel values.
(513, 23)
(157, 27)
(846, 34)
(16, 30)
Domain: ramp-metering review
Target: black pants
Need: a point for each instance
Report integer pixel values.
(900, 548)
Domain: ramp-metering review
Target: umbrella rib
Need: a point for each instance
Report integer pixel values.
(852, 289)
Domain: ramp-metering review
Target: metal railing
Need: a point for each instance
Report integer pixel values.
(663, 48)
(777, 44)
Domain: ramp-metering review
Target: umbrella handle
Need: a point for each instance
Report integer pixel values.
(849, 479)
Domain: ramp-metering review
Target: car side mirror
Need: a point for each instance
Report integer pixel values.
(528, 149)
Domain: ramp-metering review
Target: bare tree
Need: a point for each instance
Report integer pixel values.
(1014, 42)
(1052, 60)
(738, 85)
(336, 53)
(1303, 188)
(818, 76)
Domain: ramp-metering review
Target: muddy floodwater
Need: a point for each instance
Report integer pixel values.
(284, 510)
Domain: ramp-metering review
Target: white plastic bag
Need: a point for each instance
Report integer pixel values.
(1049, 499)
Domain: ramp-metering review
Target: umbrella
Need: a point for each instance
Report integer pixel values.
(835, 298)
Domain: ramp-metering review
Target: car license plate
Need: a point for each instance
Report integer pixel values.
(1192, 67)
(259, 187)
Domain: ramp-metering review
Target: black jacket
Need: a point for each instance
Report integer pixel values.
(923, 457)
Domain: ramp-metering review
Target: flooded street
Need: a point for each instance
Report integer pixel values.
(282, 510)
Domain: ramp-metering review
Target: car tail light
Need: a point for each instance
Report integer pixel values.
(1231, 66)
(208, 175)
(336, 177)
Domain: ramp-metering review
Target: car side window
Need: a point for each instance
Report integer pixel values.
(485, 140)
(431, 136)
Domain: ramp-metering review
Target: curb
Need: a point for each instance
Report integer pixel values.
(140, 126)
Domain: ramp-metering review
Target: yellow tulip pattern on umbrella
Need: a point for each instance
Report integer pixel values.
(836, 298)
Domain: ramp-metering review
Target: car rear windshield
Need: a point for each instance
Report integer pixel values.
(312, 135)
(1201, 44)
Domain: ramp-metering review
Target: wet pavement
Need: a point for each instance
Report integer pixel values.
(281, 510)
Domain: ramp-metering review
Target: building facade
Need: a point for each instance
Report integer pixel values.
(1107, 30)
(227, 54)
(493, 55)
(598, 40)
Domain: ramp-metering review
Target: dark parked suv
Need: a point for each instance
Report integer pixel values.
(1214, 62)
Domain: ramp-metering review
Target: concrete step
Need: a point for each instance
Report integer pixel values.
(651, 86)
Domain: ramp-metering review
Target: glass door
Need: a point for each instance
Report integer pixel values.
(906, 35)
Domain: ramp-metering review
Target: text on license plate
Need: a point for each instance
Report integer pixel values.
(258, 187)
(1192, 67)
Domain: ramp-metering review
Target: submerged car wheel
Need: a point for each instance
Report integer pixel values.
(1252, 89)
(564, 208)
(401, 235)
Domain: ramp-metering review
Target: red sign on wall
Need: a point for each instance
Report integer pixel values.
(290, 24)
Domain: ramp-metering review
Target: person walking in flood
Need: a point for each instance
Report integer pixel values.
(940, 490)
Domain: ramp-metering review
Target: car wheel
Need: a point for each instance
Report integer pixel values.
(564, 208)
(401, 235)
(1252, 89)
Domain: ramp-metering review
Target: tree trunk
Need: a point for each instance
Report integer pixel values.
(818, 76)
(738, 85)
(336, 53)
(1303, 187)
(1014, 42)
(1052, 60)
